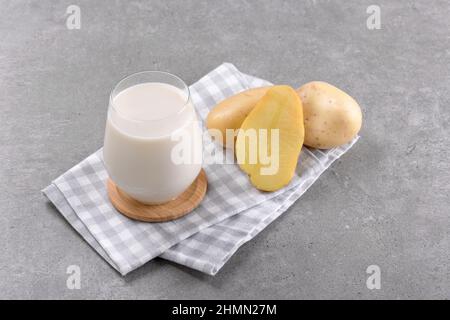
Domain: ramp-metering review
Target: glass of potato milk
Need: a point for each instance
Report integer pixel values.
(148, 114)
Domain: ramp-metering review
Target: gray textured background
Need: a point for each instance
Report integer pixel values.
(386, 202)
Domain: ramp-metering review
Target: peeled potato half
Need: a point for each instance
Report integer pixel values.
(271, 138)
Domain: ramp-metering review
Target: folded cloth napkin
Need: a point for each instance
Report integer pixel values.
(231, 213)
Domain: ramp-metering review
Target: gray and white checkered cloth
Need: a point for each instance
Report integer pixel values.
(232, 212)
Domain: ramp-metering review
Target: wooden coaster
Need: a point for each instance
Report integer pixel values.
(174, 209)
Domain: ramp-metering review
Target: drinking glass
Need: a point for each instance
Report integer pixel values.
(153, 141)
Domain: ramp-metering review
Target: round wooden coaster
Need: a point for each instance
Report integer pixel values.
(174, 209)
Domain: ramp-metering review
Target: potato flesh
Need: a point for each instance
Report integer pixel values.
(281, 109)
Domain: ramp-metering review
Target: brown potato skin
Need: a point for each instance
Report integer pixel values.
(332, 117)
(231, 112)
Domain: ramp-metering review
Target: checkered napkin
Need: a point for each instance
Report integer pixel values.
(232, 212)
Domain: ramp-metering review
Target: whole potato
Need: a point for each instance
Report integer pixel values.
(332, 117)
(231, 112)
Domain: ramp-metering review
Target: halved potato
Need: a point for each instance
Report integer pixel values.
(271, 138)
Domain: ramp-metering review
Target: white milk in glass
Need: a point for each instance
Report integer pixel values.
(145, 122)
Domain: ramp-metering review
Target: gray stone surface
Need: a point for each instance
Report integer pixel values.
(386, 202)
